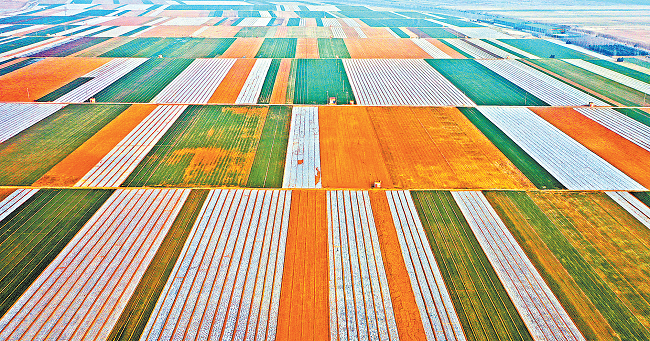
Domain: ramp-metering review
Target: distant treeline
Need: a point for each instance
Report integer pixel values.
(617, 50)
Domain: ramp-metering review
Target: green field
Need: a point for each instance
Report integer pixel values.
(539, 176)
(332, 48)
(459, 23)
(644, 77)
(581, 269)
(252, 32)
(64, 89)
(206, 146)
(269, 82)
(268, 166)
(436, 32)
(544, 49)
(400, 22)
(136, 313)
(172, 48)
(278, 48)
(36, 232)
(143, 83)
(605, 86)
(481, 302)
(319, 79)
(27, 156)
(20, 42)
(482, 85)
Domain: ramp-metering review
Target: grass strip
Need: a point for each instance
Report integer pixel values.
(268, 167)
(36, 232)
(137, 311)
(482, 304)
(269, 82)
(539, 176)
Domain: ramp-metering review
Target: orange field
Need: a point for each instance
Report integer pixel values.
(281, 32)
(304, 308)
(615, 149)
(279, 95)
(384, 48)
(377, 32)
(407, 314)
(232, 84)
(307, 48)
(350, 153)
(244, 48)
(219, 32)
(446, 49)
(4, 192)
(170, 31)
(39, 79)
(438, 148)
(83, 159)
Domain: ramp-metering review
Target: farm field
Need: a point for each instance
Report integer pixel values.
(229, 170)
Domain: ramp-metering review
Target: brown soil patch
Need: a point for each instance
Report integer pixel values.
(304, 300)
(438, 148)
(170, 31)
(350, 153)
(205, 160)
(83, 159)
(279, 95)
(232, 84)
(446, 49)
(407, 314)
(351, 33)
(620, 152)
(39, 79)
(384, 48)
(244, 48)
(307, 48)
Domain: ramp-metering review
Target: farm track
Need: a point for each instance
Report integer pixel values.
(359, 299)
(540, 310)
(91, 280)
(483, 306)
(251, 227)
(571, 163)
(114, 168)
(437, 311)
(302, 168)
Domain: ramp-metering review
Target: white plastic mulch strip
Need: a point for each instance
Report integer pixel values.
(430, 49)
(571, 163)
(197, 83)
(513, 49)
(338, 32)
(117, 165)
(252, 88)
(629, 128)
(226, 282)
(491, 48)
(481, 32)
(14, 200)
(351, 22)
(187, 21)
(610, 74)
(401, 82)
(16, 117)
(116, 32)
(103, 76)
(540, 310)
(633, 206)
(360, 32)
(82, 293)
(331, 22)
(359, 298)
(302, 166)
(469, 49)
(437, 312)
(542, 86)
